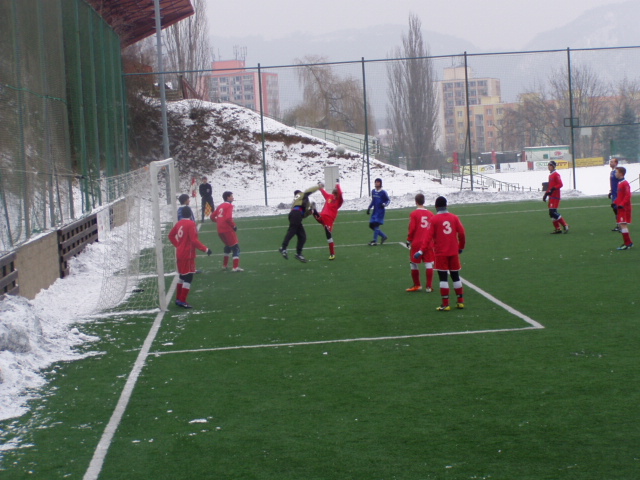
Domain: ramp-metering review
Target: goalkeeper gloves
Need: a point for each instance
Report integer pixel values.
(368, 211)
(209, 252)
(408, 244)
(417, 255)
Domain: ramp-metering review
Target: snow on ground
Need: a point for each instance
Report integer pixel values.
(34, 335)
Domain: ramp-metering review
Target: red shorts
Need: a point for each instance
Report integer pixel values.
(554, 202)
(427, 256)
(448, 262)
(228, 238)
(623, 215)
(327, 222)
(186, 266)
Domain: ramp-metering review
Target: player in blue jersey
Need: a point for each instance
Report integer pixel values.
(613, 190)
(379, 202)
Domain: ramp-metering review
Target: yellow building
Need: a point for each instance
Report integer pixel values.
(485, 111)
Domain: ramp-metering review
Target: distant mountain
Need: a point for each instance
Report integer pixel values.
(608, 26)
(372, 43)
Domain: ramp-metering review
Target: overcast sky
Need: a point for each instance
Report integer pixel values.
(508, 24)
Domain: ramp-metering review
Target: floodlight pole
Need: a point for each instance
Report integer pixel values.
(163, 98)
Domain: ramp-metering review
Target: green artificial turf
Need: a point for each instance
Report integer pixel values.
(330, 370)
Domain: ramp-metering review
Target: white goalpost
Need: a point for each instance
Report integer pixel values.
(139, 261)
(155, 168)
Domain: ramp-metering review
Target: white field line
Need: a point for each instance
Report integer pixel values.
(533, 326)
(275, 250)
(284, 225)
(509, 309)
(345, 340)
(100, 453)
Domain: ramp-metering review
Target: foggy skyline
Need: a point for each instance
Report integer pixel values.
(498, 25)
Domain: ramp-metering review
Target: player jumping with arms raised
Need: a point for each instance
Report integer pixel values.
(333, 202)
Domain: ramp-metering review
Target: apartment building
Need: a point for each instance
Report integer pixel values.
(231, 82)
(485, 111)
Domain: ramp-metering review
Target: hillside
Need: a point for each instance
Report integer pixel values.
(224, 142)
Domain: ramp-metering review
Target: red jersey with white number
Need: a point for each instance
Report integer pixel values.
(555, 182)
(447, 233)
(184, 236)
(223, 216)
(418, 226)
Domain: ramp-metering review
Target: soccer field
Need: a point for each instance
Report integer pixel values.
(330, 370)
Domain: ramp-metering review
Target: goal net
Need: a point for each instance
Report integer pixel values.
(139, 261)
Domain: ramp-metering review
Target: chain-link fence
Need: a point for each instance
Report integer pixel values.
(64, 125)
(62, 114)
(489, 109)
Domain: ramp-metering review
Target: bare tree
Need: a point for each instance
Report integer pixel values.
(413, 101)
(539, 117)
(187, 45)
(329, 101)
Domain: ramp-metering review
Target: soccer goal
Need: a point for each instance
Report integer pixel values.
(139, 261)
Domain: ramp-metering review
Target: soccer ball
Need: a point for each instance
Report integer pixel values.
(340, 150)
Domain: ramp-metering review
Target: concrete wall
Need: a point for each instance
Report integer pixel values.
(38, 264)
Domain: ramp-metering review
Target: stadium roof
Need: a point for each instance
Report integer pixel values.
(134, 20)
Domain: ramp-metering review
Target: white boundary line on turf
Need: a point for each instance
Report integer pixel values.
(509, 309)
(100, 453)
(533, 326)
(344, 340)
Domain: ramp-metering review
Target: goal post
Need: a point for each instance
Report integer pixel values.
(138, 260)
(156, 169)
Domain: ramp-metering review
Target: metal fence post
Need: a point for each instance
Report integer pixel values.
(366, 126)
(466, 89)
(573, 150)
(264, 158)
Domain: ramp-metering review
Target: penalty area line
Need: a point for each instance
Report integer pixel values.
(343, 340)
(509, 309)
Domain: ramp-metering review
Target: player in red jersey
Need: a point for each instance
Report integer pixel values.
(223, 218)
(333, 202)
(553, 193)
(449, 239)
(418, 225)
(623, 207)
(184, 236)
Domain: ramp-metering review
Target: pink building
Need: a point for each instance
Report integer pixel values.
(231, 82)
